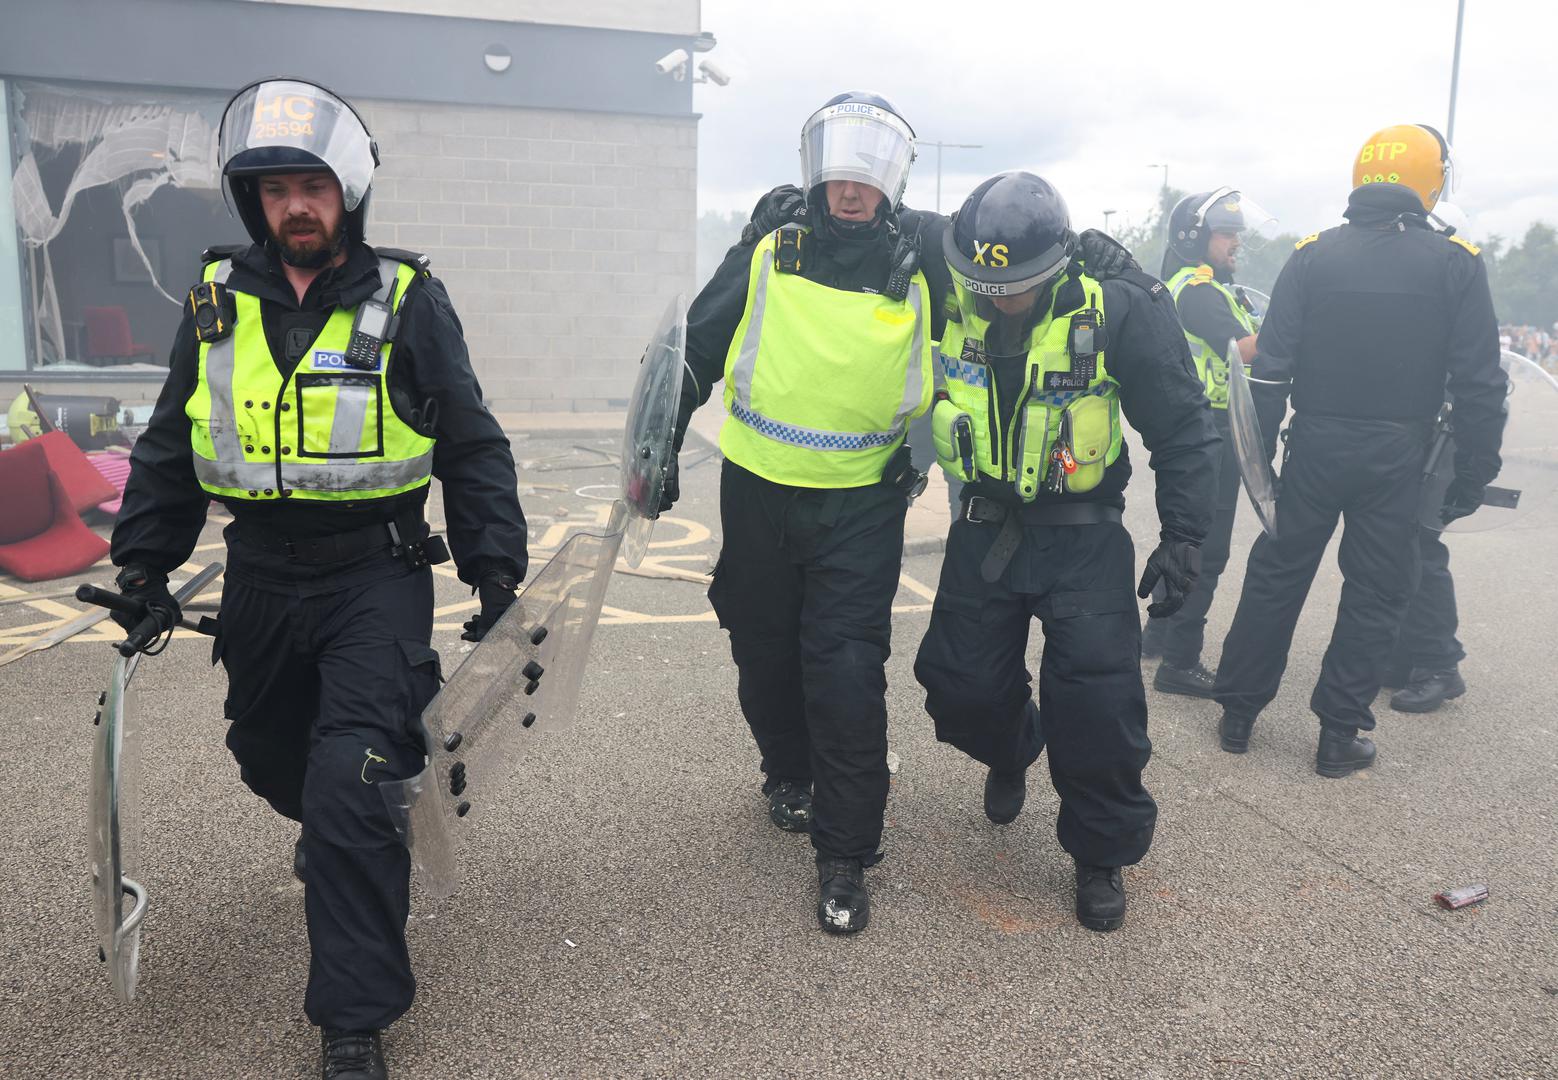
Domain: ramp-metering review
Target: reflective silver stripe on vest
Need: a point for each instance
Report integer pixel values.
(219, 387)
(746, 360)
(352, 399)
(334, 476)
(914, 385)
(816, 438)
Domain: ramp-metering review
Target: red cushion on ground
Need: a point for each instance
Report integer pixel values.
(84, 484)
(65, 547)
(26, 507)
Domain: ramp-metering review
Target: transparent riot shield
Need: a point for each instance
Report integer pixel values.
(647, 443)
(1529, 475)
(522, 677)
(1253, 301)
(1260, 484)
(120, 901)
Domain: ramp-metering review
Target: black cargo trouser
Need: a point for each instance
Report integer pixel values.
(805, 586)
(327, 678)
(1367, 473)
(1078, 581)
(1185, 630)
(1428, 641)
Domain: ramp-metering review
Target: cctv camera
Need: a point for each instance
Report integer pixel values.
(714, 73)
(673, 64)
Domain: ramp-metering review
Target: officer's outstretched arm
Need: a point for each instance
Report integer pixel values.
(164, 506)
(1164, 400)
(471, 455)
(712, 320)
(1477, 383)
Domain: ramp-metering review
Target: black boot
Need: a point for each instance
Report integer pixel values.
(789, 806)
(1004, 795)
(1427, 690)
(1100, 897)
(1152, 638)
(1234, 732)
(843, 905)
(299, 860)
(1341, 752)
(352, 1055)
(1193, 681)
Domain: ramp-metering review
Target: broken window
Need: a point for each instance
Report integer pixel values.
(116, 192)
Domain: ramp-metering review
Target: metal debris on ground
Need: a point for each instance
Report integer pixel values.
(1464, 896)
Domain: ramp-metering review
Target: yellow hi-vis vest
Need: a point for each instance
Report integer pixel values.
(1058, 396)
(326, 432)
(1211, 360)
(821, 383)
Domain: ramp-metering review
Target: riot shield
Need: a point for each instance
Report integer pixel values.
(1529, 476)
(647, 449)
(522, 677)
(1260, 484)
(1253, 301)
(120, 901)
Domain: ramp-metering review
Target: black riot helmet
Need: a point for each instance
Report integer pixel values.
(1196, 217)
(858, 136)
(290, 126)
(1011, 235)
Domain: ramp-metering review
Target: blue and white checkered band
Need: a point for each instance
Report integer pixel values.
(1061, 398)
(813, 440)
(965, 372)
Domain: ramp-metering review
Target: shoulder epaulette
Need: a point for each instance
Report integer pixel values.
(1311, 238)
(1202, 275)
(1145, 282)
(413, 258)
(1467, 244)
(218, 252)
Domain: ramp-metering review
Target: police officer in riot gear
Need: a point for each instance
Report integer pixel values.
(1039, 361)
(1205, 233)
(1370, 324)
(823, 335)
(315, 387)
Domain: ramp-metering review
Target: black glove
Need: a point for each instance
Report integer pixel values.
(1103, 256)
(1177, 563)
(497, 596)
(784, 205)
(673, 484)
(1461, 499)
(150, 589)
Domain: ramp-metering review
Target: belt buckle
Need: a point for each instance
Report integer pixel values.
(968, 510)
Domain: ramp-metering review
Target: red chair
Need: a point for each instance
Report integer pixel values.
(85, 487)
(108, 334)
(41, 537)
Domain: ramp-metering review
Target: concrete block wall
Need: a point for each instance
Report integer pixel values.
(560, 236)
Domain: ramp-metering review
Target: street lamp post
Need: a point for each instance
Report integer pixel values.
(1107, 215)
(1455, 71)
(950, 146)
(1165, 174)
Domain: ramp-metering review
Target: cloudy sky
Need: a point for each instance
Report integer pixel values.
(1273, 98)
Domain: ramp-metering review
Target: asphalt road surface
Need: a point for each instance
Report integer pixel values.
(627, 910)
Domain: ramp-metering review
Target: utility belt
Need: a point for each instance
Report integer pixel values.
(389, 537)
(980, 510)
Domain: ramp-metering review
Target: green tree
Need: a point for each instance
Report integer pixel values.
(1525, 276)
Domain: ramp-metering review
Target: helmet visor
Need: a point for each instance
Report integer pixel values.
(859, 142)
(1001, 324)
(1230, 210)
(269, 125)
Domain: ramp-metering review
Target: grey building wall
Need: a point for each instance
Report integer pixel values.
(556, 200)
(560, 235)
